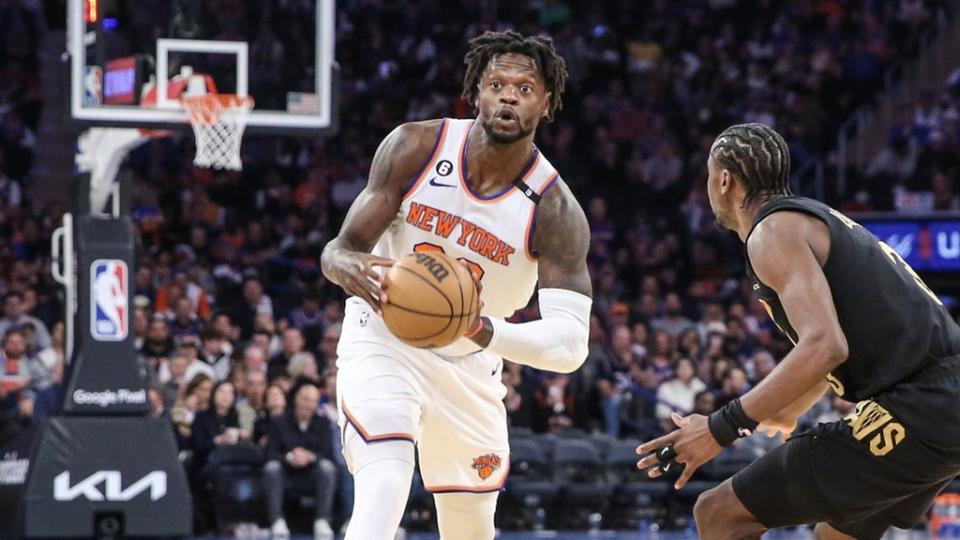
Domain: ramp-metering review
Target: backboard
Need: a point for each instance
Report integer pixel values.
(129, 60)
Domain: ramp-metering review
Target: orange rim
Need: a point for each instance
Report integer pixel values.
(206, 109)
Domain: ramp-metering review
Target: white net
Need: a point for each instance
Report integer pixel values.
(218, 122)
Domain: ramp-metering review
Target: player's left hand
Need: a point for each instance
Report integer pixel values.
(693, 443)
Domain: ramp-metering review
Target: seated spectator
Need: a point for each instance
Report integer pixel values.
(230, 332)
(553, 404)
(720, 367)
(283, 380)
(15, 315)
(196, 398)
(176, 383)
(303, 366)
(894, 164)
(254, 302)
(672, 322)
(293, 343)
(52, 358)
(238, 376)
(678, 393)
(254, 359)
(660, 361)
(613, 364)
(275, 404)
(309, 320)
(263, 339)
(518, 404)
(704, 403)
(734, 385)
(333, 313)
(44, 391)
(251, 406)
(638, 410)
(189, 351)
(328, 346)
(300, 455)
(159, 342)
(689, 344)
(640, 338)
(265, 335)
(218, 425)
(212, 353)
(14, 369)
(762, 363)
(199, 300)
(184, 321)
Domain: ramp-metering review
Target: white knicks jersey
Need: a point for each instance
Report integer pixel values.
(493, 235)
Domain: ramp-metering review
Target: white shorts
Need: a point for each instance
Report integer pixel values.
(451, 408)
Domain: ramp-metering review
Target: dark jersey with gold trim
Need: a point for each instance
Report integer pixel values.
(894, 324)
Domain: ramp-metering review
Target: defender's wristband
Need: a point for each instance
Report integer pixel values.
(730, 423)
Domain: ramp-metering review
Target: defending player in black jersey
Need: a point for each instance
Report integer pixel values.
(862, 322)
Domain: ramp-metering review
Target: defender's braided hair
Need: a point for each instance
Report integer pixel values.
(758, 156)
(540, 48)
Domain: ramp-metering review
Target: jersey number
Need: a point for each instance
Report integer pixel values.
(892, 253)
(897, 259)
(475, 269)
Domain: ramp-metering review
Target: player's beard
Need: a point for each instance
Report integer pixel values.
(501, 138)
(723, 224)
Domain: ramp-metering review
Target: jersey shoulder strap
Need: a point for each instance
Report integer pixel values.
(798, 204)
(537, 178)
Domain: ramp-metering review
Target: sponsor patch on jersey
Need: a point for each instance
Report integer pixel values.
(444, 167)
(109, 313)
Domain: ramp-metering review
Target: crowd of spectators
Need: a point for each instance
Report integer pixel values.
(919, 169)
(234, 319)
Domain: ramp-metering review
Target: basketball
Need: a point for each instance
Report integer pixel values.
(431, 298)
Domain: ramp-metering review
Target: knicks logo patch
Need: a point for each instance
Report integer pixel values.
(486, 464)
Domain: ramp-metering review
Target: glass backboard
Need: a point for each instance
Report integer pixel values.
(131, 60)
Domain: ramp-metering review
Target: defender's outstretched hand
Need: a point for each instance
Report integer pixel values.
(691, 445)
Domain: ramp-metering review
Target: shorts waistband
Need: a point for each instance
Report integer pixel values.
(946, 366)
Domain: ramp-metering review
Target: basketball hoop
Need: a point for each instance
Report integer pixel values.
(218, 122)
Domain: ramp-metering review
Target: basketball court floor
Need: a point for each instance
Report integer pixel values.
(798, 534)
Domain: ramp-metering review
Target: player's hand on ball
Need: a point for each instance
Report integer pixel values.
(356, 272)
(693, 444)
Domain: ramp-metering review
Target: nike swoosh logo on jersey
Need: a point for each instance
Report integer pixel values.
(433, 182)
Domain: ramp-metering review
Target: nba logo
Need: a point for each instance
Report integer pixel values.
(109, 316)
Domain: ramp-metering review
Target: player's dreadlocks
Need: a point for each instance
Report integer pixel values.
(540, 48)
(758, 156)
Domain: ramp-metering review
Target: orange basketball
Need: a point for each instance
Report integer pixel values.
(431, 298)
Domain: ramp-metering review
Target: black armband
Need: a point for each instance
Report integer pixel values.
(730, 423)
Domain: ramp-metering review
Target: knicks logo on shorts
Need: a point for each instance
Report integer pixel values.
(486, 464)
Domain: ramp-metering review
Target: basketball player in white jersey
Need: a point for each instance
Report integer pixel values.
(479, 190)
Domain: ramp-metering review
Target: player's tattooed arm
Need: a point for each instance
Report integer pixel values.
(783, 251)
(346, 259)
(562, 240)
